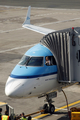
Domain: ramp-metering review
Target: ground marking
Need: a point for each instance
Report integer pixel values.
(17, 48)
(41, 25)
(24, 28)
(11, 30)
(61, 108)
(38, 25)
(71, 104)
(59, 22)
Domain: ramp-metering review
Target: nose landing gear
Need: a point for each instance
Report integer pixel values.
(50, 108)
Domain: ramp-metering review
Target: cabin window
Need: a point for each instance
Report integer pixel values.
(35, 61)
(24, 60)
(50, 60)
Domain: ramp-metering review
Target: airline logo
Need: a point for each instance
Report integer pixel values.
(28, 18)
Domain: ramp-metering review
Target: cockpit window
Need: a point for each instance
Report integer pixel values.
(24, 60)
(35, 61)
(31, 61)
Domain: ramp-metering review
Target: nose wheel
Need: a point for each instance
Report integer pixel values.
(49, 108)
(45, 107)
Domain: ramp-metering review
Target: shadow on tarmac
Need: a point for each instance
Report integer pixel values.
(64, 117)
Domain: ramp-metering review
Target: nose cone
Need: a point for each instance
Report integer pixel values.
(8, 87)
(12, 88)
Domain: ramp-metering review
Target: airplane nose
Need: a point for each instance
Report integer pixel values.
(12, 88)
(8, 89)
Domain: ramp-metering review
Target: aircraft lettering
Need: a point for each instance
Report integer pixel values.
(49, 79)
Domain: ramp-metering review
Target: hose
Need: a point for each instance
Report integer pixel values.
(67, 104)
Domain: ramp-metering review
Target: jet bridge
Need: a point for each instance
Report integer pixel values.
(65, 46)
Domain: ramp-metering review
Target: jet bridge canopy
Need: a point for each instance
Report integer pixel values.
(65, 46)
(2, 104)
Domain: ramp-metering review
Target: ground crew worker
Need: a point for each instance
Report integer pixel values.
(6, 116)
(29, 118)
(23, 117)
(0, 113)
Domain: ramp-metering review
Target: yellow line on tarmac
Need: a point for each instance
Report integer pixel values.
(71, 104)
(40, 116)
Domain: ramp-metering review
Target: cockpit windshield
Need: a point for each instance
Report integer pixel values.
(31, 61)
(24, 60)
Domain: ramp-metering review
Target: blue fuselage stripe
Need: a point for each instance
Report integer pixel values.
(34, 76)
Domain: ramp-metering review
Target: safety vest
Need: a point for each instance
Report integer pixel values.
(23, 118)
(5, 117)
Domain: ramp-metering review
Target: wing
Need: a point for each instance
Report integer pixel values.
(29, 26)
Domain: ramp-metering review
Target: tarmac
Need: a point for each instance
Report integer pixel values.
(15, 41)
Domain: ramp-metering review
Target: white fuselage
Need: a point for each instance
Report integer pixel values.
(18, 88)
